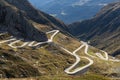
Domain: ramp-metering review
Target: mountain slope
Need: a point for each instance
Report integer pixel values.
(37, 16)
(103, 30)
(17, 23)
(21, 21)
(52, 59)
(17, 16)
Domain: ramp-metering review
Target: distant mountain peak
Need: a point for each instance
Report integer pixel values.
(75, 9)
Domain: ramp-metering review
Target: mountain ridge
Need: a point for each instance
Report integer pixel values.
(36, 15)
(71, 10)
(59, 57)
(22, 11)
(103, 30)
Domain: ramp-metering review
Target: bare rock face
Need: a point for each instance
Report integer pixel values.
(103, 30)
(15, 17)
(36, 15)
(17, 23)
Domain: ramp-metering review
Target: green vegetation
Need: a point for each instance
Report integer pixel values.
(92, 76)
(67, 42)
(88, 76)
(82, 63)
(3, 37)
(49, 61)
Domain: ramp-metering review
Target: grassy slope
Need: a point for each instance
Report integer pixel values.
(47, 60)
(50, 61)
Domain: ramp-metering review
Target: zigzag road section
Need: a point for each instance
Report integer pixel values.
(82, 69)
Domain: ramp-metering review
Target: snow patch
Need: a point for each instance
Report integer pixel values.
(103, 4)
(54, 15)
(63, 13)
(80, 3)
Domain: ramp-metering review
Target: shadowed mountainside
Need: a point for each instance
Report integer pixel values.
(45, 60)
(36, 15)
(17, 17)
(103, 30)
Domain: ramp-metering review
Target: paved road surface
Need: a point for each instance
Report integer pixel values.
(84, 44)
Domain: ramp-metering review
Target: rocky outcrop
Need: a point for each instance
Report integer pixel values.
(37, 15)
(103, 30)
(17, 23)
(16, 17)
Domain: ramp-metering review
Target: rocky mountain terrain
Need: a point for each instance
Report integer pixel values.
(16, 17)
(17, 23)
(58, 56)
(103, 31)
(20, 19)
(71, 10)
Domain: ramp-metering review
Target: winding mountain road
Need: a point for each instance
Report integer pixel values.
(32, 44)
(99, 55)
(86, 49)
(12, 43)
(4, 41)
(78, 59)
(3, 33)
(80, 69)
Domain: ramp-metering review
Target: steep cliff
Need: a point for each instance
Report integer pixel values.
(16, 17)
